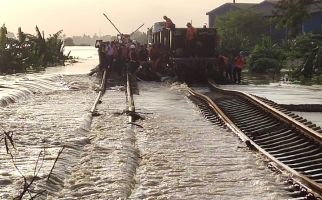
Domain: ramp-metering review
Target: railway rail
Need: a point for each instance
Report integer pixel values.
(292, 143)
(129, 82)
(54, 184)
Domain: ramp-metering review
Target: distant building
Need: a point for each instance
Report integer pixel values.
(266, 8)
(313, 24)
(224, 9)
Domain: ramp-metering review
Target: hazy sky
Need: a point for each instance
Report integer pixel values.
(77, 17)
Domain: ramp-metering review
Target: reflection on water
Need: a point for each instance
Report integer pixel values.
(82, 52)
(282, 93)
(86, 56)
(315, 117)
(254, 78)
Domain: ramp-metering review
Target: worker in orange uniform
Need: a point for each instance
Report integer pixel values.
(168, 23)
(240, 63)
(191, 37)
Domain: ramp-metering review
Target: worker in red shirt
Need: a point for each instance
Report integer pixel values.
(191, 37)
(168, 23)
(239, 64)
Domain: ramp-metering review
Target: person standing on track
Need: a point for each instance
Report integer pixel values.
(240, 63)
(133, 59)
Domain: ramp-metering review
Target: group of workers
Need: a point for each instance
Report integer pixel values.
(131, 56)
(231, 69)
(116, 55)
(191, 35)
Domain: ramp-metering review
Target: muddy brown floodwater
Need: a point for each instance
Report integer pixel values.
(174, 153)
(46, 119)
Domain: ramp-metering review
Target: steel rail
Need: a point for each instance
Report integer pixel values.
(278, 114)
(100, 93)
(129, 97)
(310, 185)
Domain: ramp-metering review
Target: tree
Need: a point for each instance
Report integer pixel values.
(266, 57)
(69, 41)
(240, 30)
(291, 13)
(28, 51)
(3, 37)
(307, 50)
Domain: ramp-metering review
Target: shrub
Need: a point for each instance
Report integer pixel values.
(308, 49)
(266, 57)
(29, 51)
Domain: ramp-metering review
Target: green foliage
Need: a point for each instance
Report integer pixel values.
(301, 45)
(291, 13)
(9, 56)
(266, 57)
(55, 48)
(240, 30)
(29, 52)
(3, 38)
(319, 79)
(69, 41)
(307, 49)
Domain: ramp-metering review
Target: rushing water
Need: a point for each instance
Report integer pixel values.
(20, 86)
(44, 111)
(174, 153)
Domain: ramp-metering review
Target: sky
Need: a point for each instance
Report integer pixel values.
(78, 17)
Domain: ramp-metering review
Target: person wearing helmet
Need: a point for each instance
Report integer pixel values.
(240, 63)
(133, 60)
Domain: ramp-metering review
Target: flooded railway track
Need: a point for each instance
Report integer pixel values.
(63, 154)
(291, 142)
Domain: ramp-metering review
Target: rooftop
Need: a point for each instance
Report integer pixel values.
(266, 7)
(233, 5)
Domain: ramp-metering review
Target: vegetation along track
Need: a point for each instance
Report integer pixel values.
(291, 142)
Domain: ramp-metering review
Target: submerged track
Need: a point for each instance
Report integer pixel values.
(291, 142)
